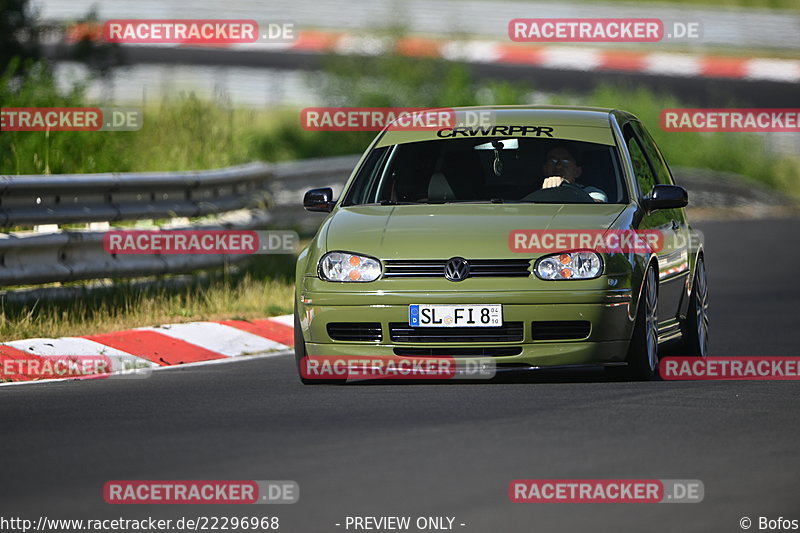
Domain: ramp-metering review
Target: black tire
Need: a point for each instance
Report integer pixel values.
(643, 349)
(299, 347)
(695, 327)
(300, 352)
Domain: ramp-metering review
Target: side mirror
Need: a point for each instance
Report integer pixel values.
(667, 197)
(319, 200)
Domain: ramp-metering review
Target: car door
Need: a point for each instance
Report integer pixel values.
(650, 169)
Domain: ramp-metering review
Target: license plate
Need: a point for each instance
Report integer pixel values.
(455, 316)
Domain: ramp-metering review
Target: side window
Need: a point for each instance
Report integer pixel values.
(641, 167)
(363, 187)
(663, 175)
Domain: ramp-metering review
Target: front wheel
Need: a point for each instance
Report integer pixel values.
(695, 327)
(643, 350)
(300, 352)
(299, 347)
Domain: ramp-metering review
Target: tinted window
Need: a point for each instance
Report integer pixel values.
(663, 174)
(366, 175)
(641, 167)
(489, 169)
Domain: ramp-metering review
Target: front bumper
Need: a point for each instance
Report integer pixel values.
(608, 312)
(536, 355)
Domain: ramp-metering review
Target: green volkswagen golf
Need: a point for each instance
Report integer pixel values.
(533, 236)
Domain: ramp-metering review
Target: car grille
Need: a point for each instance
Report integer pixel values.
(508, 332)
(560, 330)
(498, 351)
(478, 268)
(355, 331)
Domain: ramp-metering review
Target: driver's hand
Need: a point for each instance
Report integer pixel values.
(552, 181)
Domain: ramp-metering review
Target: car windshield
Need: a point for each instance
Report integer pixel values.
(489, 170)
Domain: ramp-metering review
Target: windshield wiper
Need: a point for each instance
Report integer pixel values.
(492, 201)
(394, 202)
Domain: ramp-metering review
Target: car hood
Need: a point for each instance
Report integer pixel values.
(476, 231)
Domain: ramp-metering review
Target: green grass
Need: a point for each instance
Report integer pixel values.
(187, 133)
(262, 288)
(194, 135)
(181, 134)
(740, 153)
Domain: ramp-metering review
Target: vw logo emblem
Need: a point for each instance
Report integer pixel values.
(456, 269)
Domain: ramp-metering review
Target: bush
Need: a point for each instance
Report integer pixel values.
(741, 153)
(184, 133)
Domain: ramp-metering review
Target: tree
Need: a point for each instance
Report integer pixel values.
(19, 34)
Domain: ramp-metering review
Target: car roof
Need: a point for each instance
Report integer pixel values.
(573, 115)
(590, 124)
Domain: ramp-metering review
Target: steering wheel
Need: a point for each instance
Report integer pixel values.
(566, 193)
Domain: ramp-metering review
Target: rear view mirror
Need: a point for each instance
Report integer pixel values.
(320, 200)
(667, 197)
(504, 144)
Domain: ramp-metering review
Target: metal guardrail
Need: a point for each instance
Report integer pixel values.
(83, 198)
(74, 255)
(243, 197)
(292, 179)
(237, 194)
(251, 196)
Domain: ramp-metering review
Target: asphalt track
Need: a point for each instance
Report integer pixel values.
(440, 450)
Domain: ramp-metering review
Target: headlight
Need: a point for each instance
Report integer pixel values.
(341, 266)
(569, 265)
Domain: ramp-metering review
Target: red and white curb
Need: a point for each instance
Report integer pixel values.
(580, 58)
(553, 56)
(560, 57)
(171, 345)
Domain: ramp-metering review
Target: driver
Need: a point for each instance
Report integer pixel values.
(561, 167)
